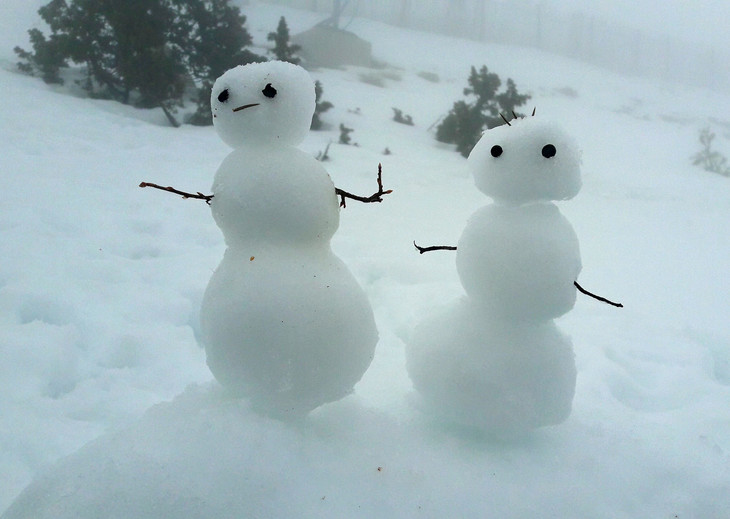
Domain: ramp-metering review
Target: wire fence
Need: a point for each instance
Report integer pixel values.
(576, 35)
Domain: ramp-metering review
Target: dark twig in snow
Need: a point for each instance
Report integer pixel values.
(421, 250)
(198, 195)
(594, 296)
(375, 197)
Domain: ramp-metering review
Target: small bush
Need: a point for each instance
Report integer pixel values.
(467, 120)
(709, 159)
(429, 76)
(399, 117)
(373, 78)
(319, 106)
(345, 134)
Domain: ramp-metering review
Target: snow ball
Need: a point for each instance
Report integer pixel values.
(530, 160)
(520, 262)
(288, 327)
(263, 103)
(285, 196)
(499, 376)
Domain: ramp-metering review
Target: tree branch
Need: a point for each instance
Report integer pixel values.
(198, 195)
(421, 250)
(375, 197)
(594, 296)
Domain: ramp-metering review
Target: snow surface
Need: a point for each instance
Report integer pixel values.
(101, 284)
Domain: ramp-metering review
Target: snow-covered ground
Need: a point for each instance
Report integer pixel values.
(101, 283)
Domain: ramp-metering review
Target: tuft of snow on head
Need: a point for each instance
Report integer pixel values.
(261, 104)
(525, 161)
(520, 262)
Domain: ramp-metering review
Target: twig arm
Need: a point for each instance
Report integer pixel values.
(421, 250)
(198, 195)
(594, 296)
(375, 197)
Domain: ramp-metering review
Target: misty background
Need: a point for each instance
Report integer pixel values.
(675, 41)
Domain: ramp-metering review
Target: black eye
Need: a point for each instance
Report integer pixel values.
(549, 151)
(223, 96)
(496, 150)
(269, 91)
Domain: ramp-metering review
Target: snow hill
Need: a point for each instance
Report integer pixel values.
(101, 283)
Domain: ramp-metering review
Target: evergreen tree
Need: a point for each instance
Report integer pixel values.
(147, 66)
(463, 126)
(283, 50)
(214, 38)
(319, 106)
(466, 121)
(47, 58)
(122, 43)
(141, 52)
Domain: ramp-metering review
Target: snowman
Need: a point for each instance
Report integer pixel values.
(495, 360)
(283, 320)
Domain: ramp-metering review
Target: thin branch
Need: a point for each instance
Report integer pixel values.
(375, 197)
(198, 195)
(594, 296)
(421, 250)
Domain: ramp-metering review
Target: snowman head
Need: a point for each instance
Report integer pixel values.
(263, 103)
(527, 160)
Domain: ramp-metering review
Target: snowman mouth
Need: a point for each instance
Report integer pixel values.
(244, 107)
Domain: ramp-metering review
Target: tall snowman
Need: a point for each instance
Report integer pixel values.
(494, 360)
(283, 320)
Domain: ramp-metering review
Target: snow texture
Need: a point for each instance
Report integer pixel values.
(283, 320)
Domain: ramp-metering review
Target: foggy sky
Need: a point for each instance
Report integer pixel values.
(702, 21)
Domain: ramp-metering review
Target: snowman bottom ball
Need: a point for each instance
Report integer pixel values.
(290, 330)
(495, 375)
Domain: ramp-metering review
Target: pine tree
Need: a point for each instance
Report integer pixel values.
(214, 38)
(319, 106)
(141, 52)
(466, 121)
(123, 45)
(283, 50)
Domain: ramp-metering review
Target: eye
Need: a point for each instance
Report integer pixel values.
(549, 151)
(269, 91)
(496, 150)
(223, 96)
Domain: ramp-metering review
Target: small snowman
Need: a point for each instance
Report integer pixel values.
(283, 320)
(495, 360)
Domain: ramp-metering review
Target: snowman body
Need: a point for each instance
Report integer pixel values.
(495, 360)
(284, 322)
(527, 258)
